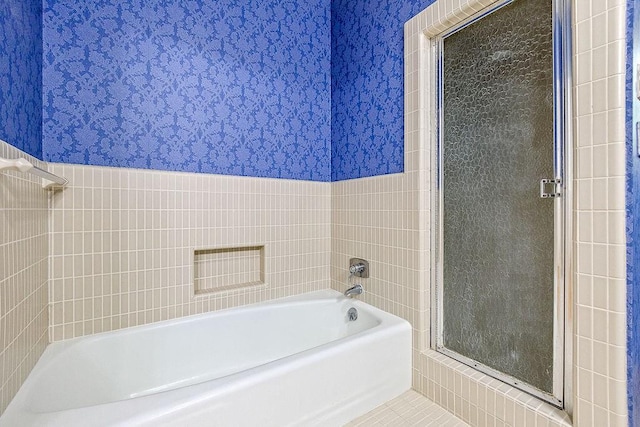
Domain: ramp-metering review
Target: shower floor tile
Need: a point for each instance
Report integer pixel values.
(408, 409)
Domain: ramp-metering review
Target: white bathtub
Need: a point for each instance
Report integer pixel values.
(294, 361)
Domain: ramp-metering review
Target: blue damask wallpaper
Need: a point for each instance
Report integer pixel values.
(367, 102)
(21, 75)
(237, 87)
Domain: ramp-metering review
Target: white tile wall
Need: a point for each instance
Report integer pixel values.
(24, 241)
(122, 243)
(376, 219)
(600, 371)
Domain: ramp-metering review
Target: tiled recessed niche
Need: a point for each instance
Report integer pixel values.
(224, 269)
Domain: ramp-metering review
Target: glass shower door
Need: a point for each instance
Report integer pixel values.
(498, 220)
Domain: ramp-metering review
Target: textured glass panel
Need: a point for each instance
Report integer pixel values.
(497, 143)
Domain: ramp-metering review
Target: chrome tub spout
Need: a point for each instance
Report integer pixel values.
(354, 290)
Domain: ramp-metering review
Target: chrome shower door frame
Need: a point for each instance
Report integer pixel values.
(563, 210)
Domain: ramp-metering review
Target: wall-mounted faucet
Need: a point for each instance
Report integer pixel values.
(359, 268)
(356, 289)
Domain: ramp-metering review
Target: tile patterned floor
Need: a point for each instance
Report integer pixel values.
(408, 409)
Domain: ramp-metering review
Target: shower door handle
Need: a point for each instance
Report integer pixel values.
(554, 183)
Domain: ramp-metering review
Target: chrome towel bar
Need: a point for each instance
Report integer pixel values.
(51, 181)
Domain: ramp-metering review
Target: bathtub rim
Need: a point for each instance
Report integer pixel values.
(313, 297)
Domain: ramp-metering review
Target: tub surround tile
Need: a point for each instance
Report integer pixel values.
(24, 242)
(123, 241)
(376, 219)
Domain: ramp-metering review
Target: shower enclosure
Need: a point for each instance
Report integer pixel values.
(501, 189)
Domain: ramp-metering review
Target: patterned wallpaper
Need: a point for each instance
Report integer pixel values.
(367, 86)
(21, 75)
(238, 87)
(233, 87)
(633, 216)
